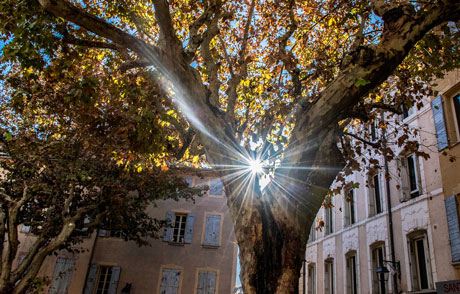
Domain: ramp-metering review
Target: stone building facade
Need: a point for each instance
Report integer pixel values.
(398, 225)
(197, 254)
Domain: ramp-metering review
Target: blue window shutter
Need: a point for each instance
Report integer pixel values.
(102, 233)
(216, 187)
(212, 230)
(211, 283)
(62, 275)
(453, 227)
(169, 224)
(114, 280)
(189, 228)
(92, 272)
(439, 123)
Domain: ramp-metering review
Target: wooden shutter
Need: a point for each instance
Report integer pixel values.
(102, 233)
(170, 281)
(189, 181)
(169, 228)
(327, 280)
(206, 282)
(189, 228)
(62, 275)
(349, 275)
(413, 266)
(439, 123)
(347, 210)
(216, 187)
(212, 231)
(114, 280)
(371, 198)
(453, 227)
(92, 272)
(404, 179)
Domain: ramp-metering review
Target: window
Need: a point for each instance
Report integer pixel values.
(409, 177)
(311, 282)
(170, 281)
(189, 181)
(216, 187)
(375, 197)
(456, 101)
(373, 130)
(349, 207)
(378, 256)
(407, 111)
(179, 227)
(62, 276)
(328, 215)
(206, 282)
(329, 276)
(420, 261)
(102, 279)
(25, 229)
(212, 230)
(312, 235)
(352, 286)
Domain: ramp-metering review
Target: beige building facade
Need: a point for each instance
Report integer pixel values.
(196, 254)
(399, 225)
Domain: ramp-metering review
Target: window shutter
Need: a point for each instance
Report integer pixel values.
(25, 229)
(210, 283)
(327, 283)
(404, 179)
(62, 275)
(347, 211)
(102, 233)
(169, 223)
(212, 231)
(114, 280)
(189, 228)
(439, 123)
(371, 198)
(453, 227)
(216, 187)
(201, 282)
(92, 272)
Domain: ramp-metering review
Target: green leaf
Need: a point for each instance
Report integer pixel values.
(361, 82)
(8, 136)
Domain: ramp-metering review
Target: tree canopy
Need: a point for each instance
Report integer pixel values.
(233, 82)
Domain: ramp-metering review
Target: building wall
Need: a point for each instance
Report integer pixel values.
(411, 217)
(449, 158)
(142, 266)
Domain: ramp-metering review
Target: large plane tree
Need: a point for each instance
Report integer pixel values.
(268, 90)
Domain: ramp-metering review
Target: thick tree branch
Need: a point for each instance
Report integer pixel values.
(235, 80)
(167, 30)
(64, 9)
(66, 230)
(373, 144)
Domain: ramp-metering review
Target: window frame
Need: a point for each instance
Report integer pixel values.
(210, 194)
(204, 232)
(178, 230)
(375, 199)
(351, 281)
(170, 267)
(98, 278)
(311, 279)
(329, 275)
(207, 270)
(456, 115)
(414, 261)
(349, 208)
(377, 256)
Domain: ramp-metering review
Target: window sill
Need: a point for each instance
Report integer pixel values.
(427, 291)
(176, 244)
(210, 246)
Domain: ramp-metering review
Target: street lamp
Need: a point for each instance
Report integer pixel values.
(383, 272)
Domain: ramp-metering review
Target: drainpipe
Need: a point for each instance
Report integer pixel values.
(390, 215)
